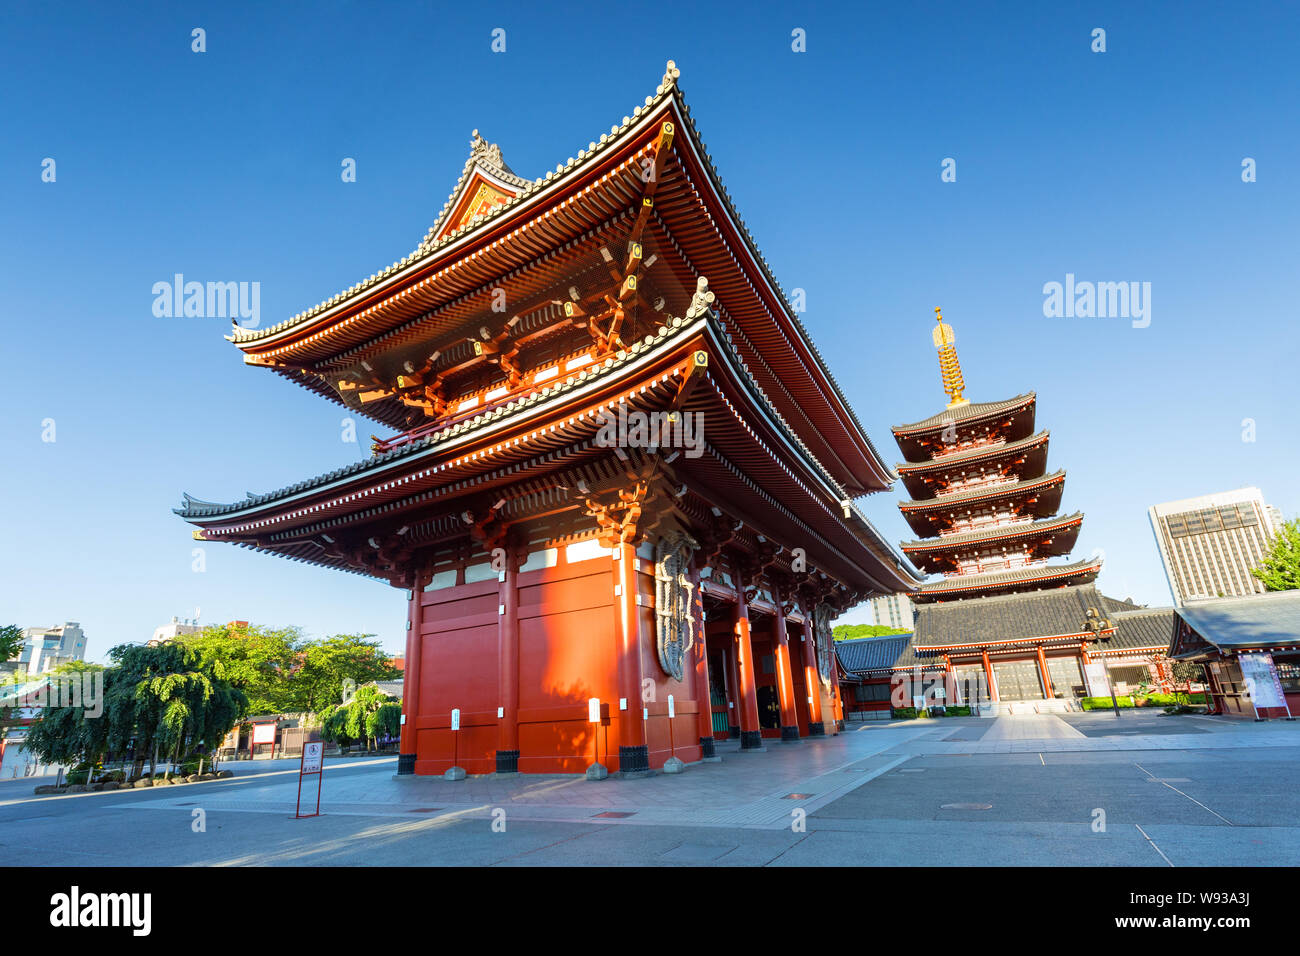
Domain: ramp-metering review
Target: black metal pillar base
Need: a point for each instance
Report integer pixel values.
(751, 740)
(817, 729)
(790, 734)
(634, 759)
(707, 748)
(507, 761)
(734, 732)
(405, 763)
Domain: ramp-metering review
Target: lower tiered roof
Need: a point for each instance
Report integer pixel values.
(1000, 582)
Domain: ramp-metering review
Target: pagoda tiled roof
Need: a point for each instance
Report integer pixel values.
(972, 412)
(974, 584)
(434, 246)
(986, 453)
(990, 493)
(966, 539)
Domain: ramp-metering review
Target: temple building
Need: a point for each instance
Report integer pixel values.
(1001, 623)
(617, 481)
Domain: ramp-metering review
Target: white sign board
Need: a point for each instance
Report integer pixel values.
(593, 710)
(1262, 684)
(455, 719)
(312, 757)
(1095, 670)
(672, 712)
(263, 733)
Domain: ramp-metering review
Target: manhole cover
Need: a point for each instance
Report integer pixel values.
(615, 814)
(912, 770)
(424, 810)
(968, 806)
(796, 796)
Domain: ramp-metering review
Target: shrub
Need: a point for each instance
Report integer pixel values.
(962, 711)
(903, 713)
(1102, 703)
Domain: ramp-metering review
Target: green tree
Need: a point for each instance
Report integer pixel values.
(164, 698)
(11, 641)
(259, 661)
(1280, 570)
(70, 735)
(850, 632)
(325, 664)
(370, 714)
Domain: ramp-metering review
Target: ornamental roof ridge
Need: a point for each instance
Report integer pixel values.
(429, 245)
(974, 410)
(482, 155)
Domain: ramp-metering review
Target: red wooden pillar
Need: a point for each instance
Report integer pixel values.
(702, 696)
(1042, 670)
(988, 676)
(751, 737)
(784, 677)
(633, 754)
(835, 687)
(812, 681)
(406, 752)
(734, 698)
(508, 664)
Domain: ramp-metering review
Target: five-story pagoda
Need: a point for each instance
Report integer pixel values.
(984, 506)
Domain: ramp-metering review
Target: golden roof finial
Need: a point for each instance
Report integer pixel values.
(946, 342)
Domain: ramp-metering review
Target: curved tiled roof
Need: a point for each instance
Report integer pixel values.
(1145, 627)
(966, 413)
(997, 579)
(1005, 489)
(969, 538)
(668, 90)
(974, 454)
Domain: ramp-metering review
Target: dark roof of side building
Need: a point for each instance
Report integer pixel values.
(1036, 614)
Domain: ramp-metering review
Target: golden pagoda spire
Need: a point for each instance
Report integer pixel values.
(946, 342)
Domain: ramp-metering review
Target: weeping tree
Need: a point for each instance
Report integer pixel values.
(167, 700)
(367, 716)
(190, 707)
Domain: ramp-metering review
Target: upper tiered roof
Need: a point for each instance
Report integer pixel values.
(498, 228)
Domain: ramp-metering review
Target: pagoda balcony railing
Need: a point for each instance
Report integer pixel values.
(1015, 563)
(956, 448)
(983, 523)
(974, 484)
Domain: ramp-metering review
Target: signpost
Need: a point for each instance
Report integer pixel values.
(313, 764)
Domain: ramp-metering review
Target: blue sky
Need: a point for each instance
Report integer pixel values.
(224, 165)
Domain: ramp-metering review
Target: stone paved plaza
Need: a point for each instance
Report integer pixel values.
(1171, 791)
